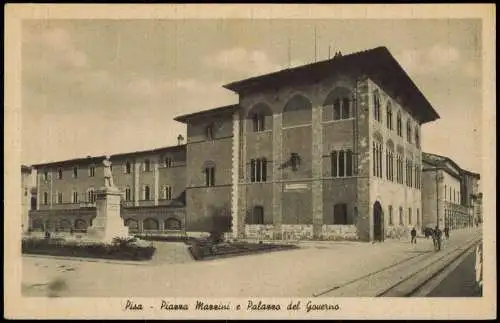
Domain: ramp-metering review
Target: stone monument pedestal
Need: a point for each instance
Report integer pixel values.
(108, 223)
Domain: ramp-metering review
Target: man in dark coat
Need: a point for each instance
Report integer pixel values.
(437, 238)
(413, 236)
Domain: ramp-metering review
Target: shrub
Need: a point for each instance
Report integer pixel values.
(124, 249)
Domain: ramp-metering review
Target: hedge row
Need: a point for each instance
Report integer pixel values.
(120, 249)
(202, 251)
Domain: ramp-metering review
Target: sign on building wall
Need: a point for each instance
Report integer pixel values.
(296, 187)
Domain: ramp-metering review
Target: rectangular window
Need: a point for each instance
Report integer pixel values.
(168, 192)
(258, 169)
(349, 163)
(264, 170)
(401, 221)
(147, 165)
(340, 214)
(91, 196)
(418, 217)
(210, 176)
(59, 197)
(374, 160)
(45, 198)
(59, 173)
(409, 216)
(146, 193)
(127, 168)
(128, 195)
(341, 164)
(45, 175)
(91, 171)
(75, 172)
(253, 174)
(390, 215)
(334, 164)
(75, 197)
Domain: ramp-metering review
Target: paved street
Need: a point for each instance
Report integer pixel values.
(461, 282)
(302, 272)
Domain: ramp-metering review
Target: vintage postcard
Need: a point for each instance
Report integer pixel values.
(250, 161)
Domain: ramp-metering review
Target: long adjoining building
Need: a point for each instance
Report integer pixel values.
(322, 151)
(450, 195)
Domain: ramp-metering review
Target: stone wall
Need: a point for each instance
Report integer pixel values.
(339, 232)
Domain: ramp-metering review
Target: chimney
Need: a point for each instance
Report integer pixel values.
(180, 140)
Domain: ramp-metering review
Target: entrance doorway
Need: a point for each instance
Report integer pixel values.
(378, 222)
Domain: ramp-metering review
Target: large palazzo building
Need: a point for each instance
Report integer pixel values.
(322, 151)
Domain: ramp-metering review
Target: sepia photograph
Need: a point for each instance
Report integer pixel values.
(251, 164)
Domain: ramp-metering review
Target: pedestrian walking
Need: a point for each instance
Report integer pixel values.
(447, 232)
(413, 236)
(437, 238)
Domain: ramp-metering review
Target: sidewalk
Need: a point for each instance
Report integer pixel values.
(300, 272)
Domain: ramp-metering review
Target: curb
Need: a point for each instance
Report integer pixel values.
(82, 259)
(413, 282)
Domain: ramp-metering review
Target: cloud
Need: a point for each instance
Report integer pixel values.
(243, 61)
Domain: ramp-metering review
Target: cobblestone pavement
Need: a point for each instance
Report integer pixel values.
(300, 272)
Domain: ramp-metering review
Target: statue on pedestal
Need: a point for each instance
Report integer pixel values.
(108, 175)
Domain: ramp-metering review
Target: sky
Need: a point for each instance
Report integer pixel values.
(96, 87)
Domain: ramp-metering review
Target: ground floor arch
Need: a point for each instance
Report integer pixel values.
(378, 222)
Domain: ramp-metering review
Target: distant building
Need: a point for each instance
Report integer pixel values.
(450, 194)
(322, 151)
(27, 202)
(152, 183)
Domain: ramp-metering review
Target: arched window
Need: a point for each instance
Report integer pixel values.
(417, 137)
(399, 124)
(389, 161)
(172, 224)
(408, 130)
(80, 224)
(297, 111)
(377, 156)
(166, 192)
(337, 105)
(256, 216)
(340, 214)
(258, 170)
(65, 225)
(389, 115)
(151, 224)
(261, 117)
(209, 171)
(146, 193)
(45, 198)
(401, 219)
(132, 224)
(376, 105)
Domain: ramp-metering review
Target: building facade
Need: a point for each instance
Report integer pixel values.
(152, 185)
(449, 194)
(329, 150)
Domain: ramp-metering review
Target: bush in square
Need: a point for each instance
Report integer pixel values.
(120, 248)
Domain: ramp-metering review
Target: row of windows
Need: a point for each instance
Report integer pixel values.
(455, 197)
(413, 172)
(401, 217)
(127, 168)
(165, 194)
(340, 215)
(389, 118)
